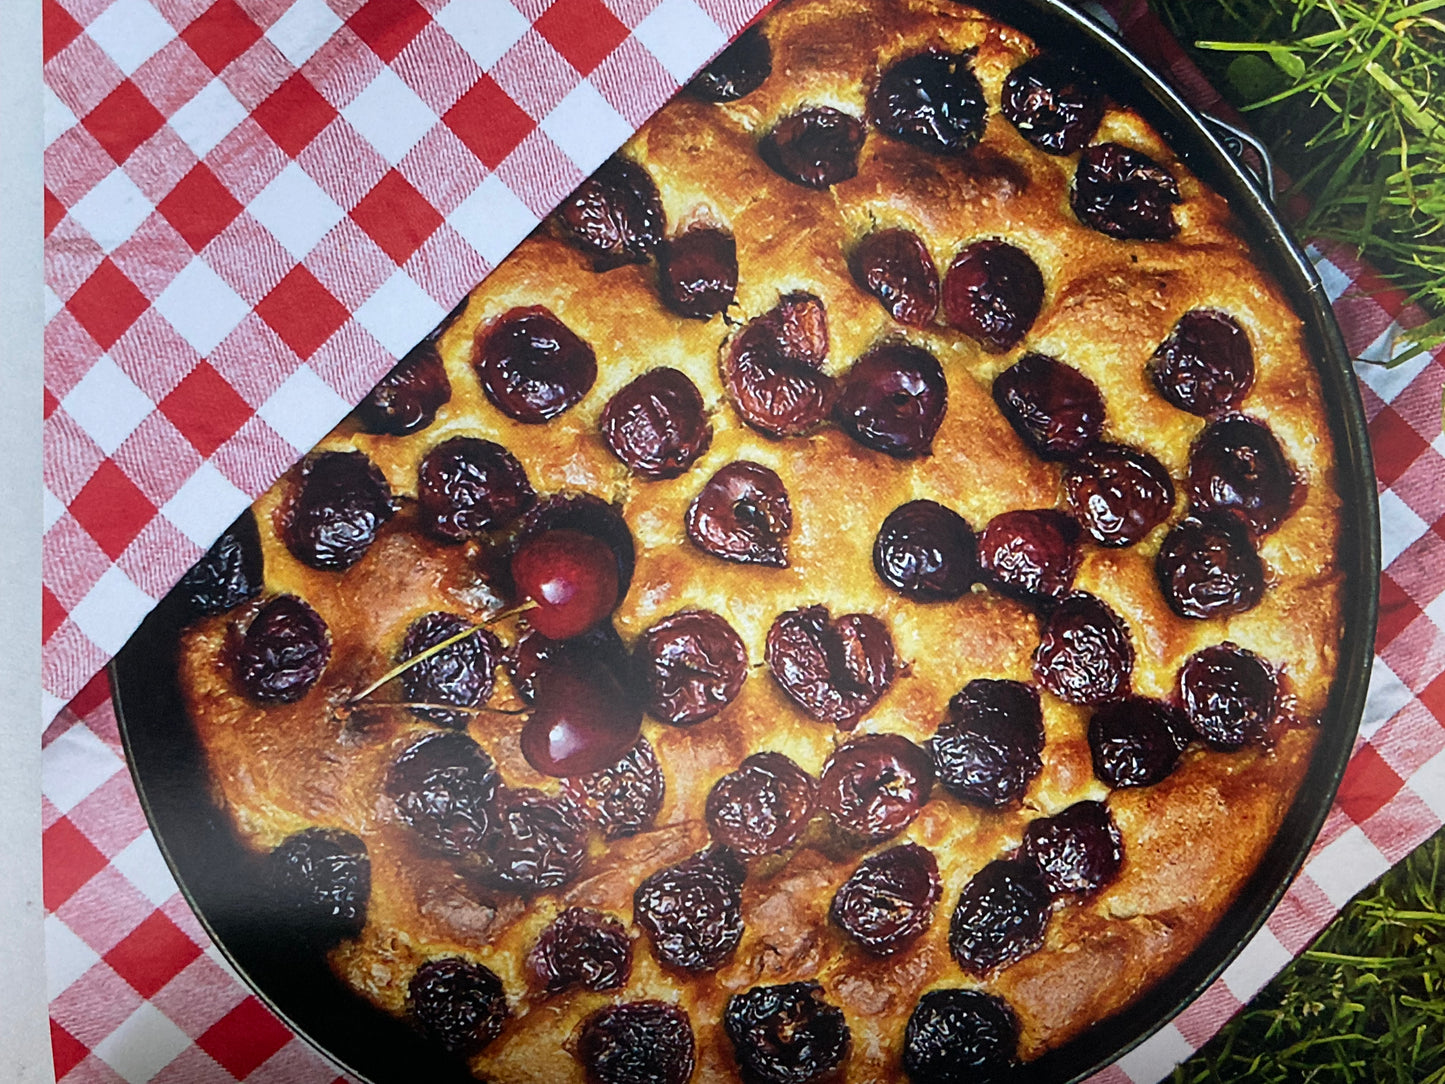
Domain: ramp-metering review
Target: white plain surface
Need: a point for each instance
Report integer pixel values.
(24, 1030)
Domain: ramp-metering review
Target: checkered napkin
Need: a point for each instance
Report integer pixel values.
(252, 209)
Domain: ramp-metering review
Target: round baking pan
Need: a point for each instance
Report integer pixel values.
(219, 875)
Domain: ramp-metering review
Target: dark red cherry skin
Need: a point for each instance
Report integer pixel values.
(894, 266)
(698, 272)
(875, 785)
(743, 515)
(1030, 553)
(986, 750)
(1124, 193)
(1084, 654)
(535, 844)
(773, 368)
(570, 576)
(762, 807)
(694, 664)
(1001, 916)
(462, 674)
(931, 100)
(283, 651)
(1207, 567)
(1055, 408)
(581, 722)
(1229, 695)
(459, 1004)
(786, 1034)
(889, 899)
(614, 216)
(468, 487)
(692, 912)
(624, 798)
(231, 571)
(737, 71)
(1136, 741)
(815, 148)
(532, 366)
(893, 400)
(657, 424)
(1236, 465)
(407, 398)
(926, 552)
(993, 293)
(334, 507)
(1118, 493)
(957, 1035)
(532, 656)
(1078, 851)
(443, 788)
(1206, 365)
(581, 949)
(834, 670)
(637, 1042)
(586, 514)
(321, 881)
(1053, 104)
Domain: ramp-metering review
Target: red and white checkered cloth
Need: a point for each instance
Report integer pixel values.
(253, 207)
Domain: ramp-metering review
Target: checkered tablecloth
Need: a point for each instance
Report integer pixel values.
(253, 207)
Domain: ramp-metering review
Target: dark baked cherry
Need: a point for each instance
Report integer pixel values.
(1053, 104)
(657, 424)
(875, 785)
(589, 515)
(532, 366)
(892, 400)
(336, 504)
(895, 267)
(462, 674)
(1229, 695)
(1030, 553)
(816, 148)
(993, 293)
(834, 670)
(637, 1042)
(582, 720)
(466, 487)
(931, 100)
(1078, 851)
(571, 577)
(321, 878)
(623, 798)
(786, 1034)
(283, 651)
(231, 571)
(743, 515)
(458, 1003)
(694, 665)
(536, 842)
(443, 787)
(1001, 916)
(581, 948)
(773, 369)
(1236, 465)
(926, 552)
(1207, 567)
(533, 654)
(959, 1035)
(986, 751)
(1054, 407)
(698, 271)
(1118, 493)
(1084, 654)
(1206, 365)
(737, 71)
(889, 899)
(762, 807)
(1136, 741)
(614, 216)
(1124, 193)
(692, 912)
(407, 398)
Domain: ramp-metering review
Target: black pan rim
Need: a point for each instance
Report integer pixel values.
(377, 1048)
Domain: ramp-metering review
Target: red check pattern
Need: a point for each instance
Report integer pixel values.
(160, 426)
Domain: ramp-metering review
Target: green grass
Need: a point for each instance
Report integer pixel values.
(1365, 1003)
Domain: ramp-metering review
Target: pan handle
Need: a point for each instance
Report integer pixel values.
(1248, 151)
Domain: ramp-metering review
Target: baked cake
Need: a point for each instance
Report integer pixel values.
(868, 571)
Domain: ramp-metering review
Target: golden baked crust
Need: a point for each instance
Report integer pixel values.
(1189, 841)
